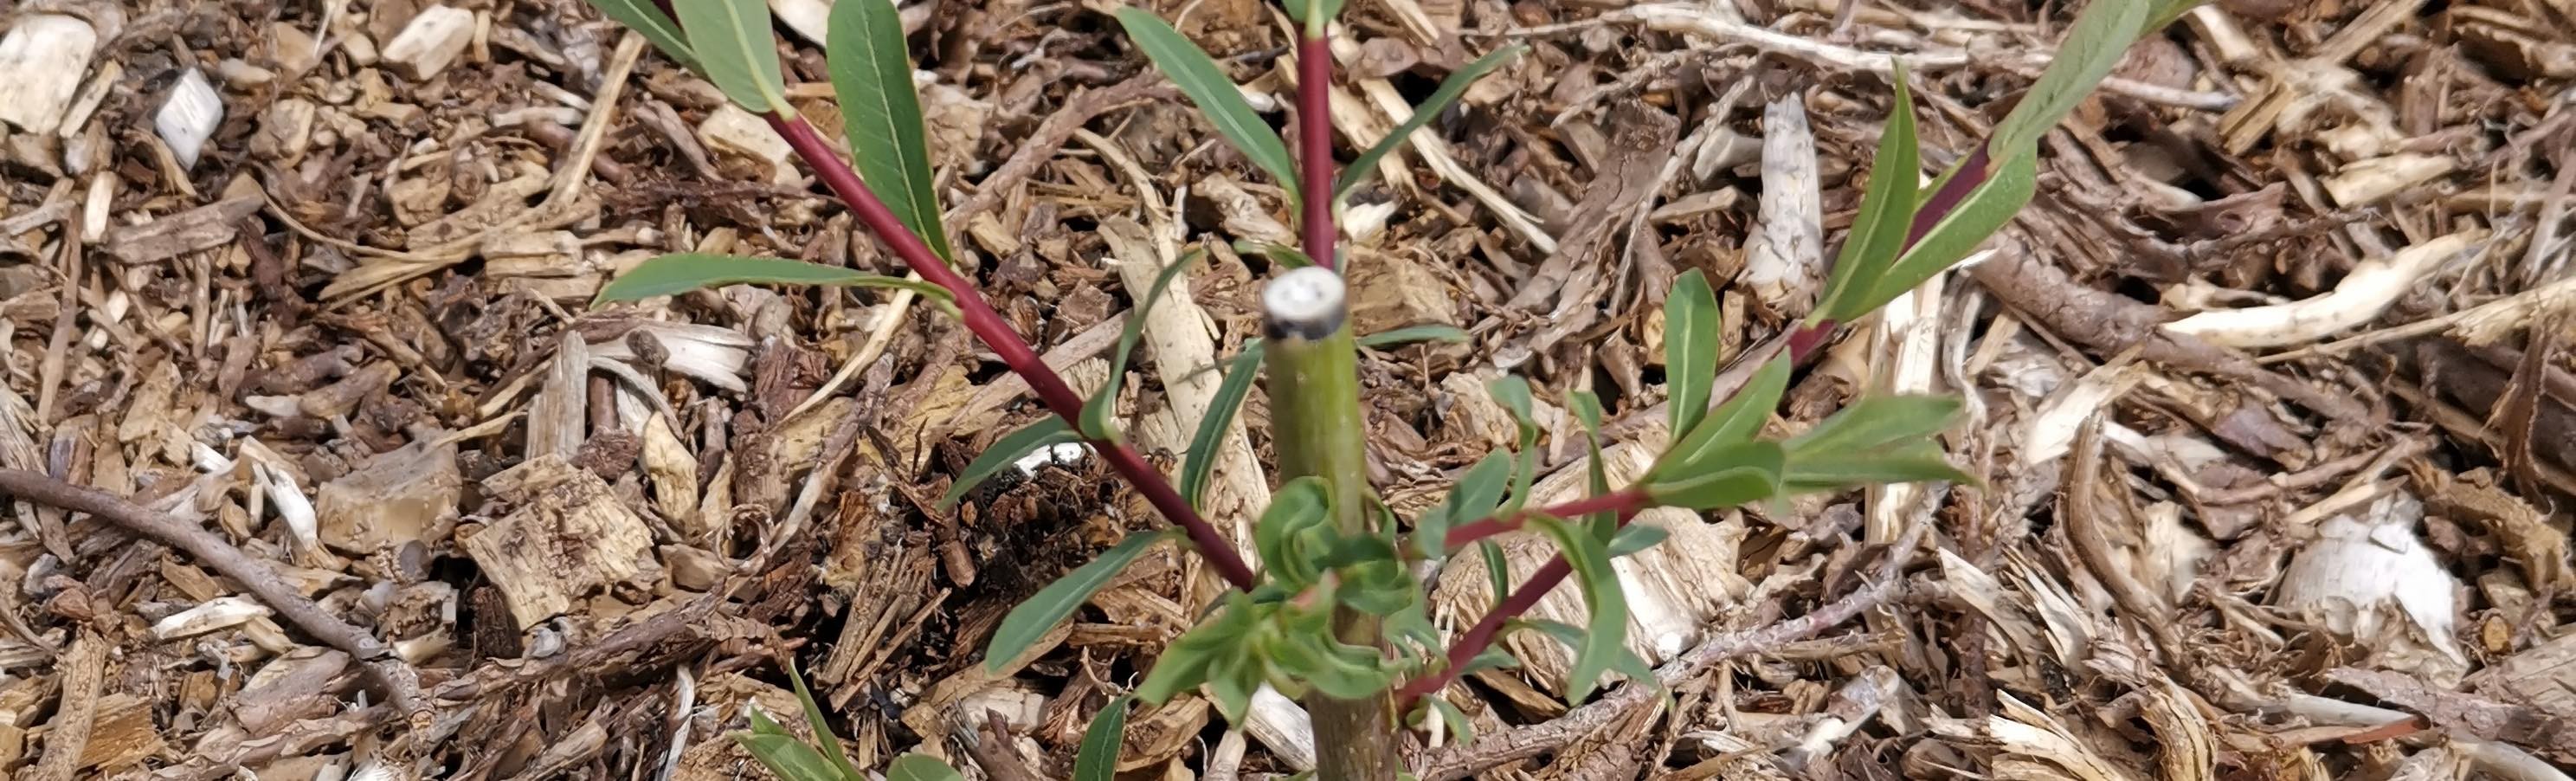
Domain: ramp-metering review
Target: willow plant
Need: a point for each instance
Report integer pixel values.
(1334, 613)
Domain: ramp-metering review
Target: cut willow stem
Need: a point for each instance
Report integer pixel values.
(1313, 379)
(1015, 352)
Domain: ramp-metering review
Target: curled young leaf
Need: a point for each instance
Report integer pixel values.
(1297, 510)
(1410, 334)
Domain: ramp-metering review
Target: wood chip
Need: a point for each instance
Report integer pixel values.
(433, 39)
(204, 227)
(45, 56)
(570, 538)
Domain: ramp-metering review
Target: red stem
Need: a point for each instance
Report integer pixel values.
(1627, 502)
(1315, 144)
(1623, 501)
(1005, 343)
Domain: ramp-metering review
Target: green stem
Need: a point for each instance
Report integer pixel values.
(1315, 422)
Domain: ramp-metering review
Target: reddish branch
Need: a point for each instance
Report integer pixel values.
(1005, 343)
(1624, 501)
(1315, 143)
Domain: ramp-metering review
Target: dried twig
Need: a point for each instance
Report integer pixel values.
(401, 682)
(1538, 739)
(83, 670)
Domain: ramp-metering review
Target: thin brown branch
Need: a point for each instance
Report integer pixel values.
(401, 682)
(1534, 740)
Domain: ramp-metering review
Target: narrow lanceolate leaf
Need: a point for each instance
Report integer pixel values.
(682, 272)
(1207, 86)
(1734, 422)
(2100, 36)
(1514, 394)
(1876, 421)
(2164, 13)
(1690, 349)
(1985, 210)
(1603, 524)
(1097, 760)
(919, 767)
(1281, 254)
(1410, 334)
(1498, 570)
(822, 729)
(1200, 462)
(785, 756)
(1607, 632)
(1097, 412)
(1886, 211)
(1738, 475)
(1053, 604)
(658, 29)
(1635, 538)
(735, 50)
(1917, 461)
(1450, 90)
(882, 116)
(1627, 663)
(1048, 431)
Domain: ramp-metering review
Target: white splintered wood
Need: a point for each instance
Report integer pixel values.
(189, 117)
(432, 40)
(1309, 302)
(43, 57)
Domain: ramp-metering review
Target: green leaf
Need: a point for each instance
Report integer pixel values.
(1460, 730)
(1734, 422)
(1985, 210)
(918, 767)
(1450, 90)
(1886, 212)
(1472, 498)
(822, 729)
(881, 115)
(1048, 431)
(642, 17)
(1587, 410)
(1216, 96)
(2165, 12)
(786, 757)
(1418, 333)
(1281, 254)
(1627, 663)
(1875, 421)
(1492, 658)
(1313, 14)
(1514, 394)
(1917, 461)
(1636, 537)
(2100, 35)
(1742, 474)
(681, 272)
(1607, 634)
(1097, 412)
(1052, 605)
(1097, 760)
(1498, 569)
(734, 48)
(1200, 462)
(1690, 349)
